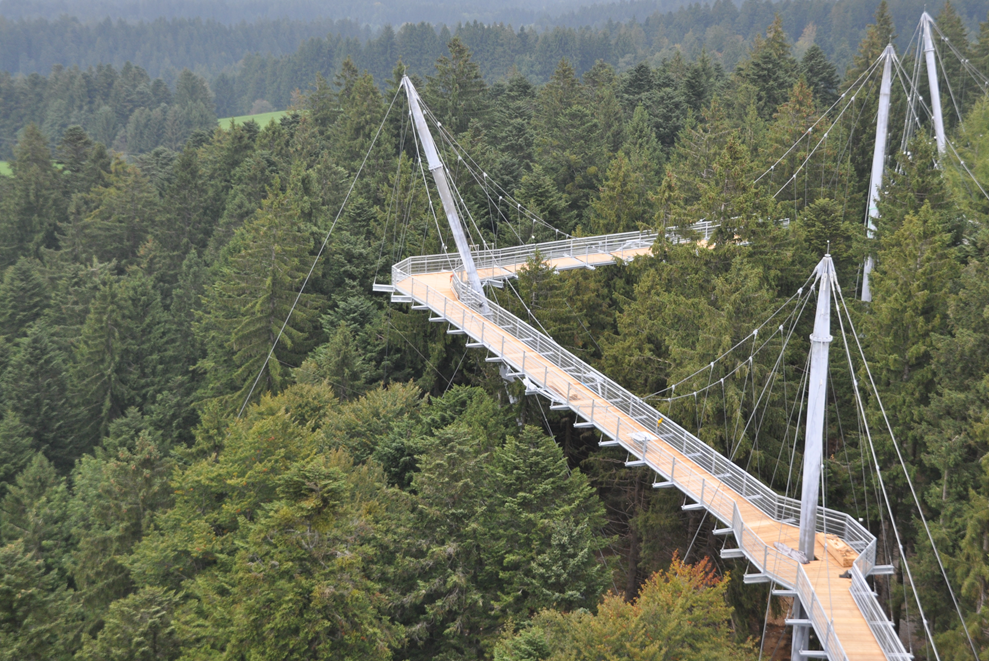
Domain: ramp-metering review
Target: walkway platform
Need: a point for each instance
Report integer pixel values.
(847, 619)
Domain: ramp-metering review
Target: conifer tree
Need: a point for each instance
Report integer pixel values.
(256, 287)
(35, 511)
(24, 297)
(121, 217)
(821, 76)
(36, 392)
(38, 616)
(771, 69)
(916, 270)
(457, 94)
(34, 203)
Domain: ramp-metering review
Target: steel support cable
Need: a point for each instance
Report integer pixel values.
(883, 498)
(860, 415)
(319, 254)
(799, 292)
(947, 81)
(823, 115)
(796, 434)
(973, 71)
(429, 196)
(751, 417)
(797, 171)
(463, 205)
(950, 143)
(771, 379)
(793, 409)
(844, 445)
(447, 136)
(913, 493)
(393, 204)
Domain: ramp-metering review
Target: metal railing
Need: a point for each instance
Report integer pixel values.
(698, 485)
(731, 475)
(576, 248)
(881, 627)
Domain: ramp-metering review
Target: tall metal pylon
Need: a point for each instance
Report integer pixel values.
(878, 160)
(820, 344)
(926, 22)
(438, 170)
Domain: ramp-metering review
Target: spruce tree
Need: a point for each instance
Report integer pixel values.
(36, 392)
(24, 297)
(256, 286)
(771, 69)
(34, 203)
(457, 94)
(821, 75)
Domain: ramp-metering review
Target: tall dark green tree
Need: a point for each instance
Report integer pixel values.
(255, 288)
(34, 203)
(771, 69)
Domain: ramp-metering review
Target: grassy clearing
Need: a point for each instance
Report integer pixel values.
(263, 119)
(5, 170)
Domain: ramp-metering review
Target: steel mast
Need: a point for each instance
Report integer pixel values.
(878, 160)
(820, 343)
(437, 169)
(926, 21)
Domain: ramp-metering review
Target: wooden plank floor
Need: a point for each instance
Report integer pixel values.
(435, 290)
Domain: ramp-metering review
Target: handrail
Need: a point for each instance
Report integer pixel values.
(775, 506)
(499, 257)
(779, 568)
(882, 628)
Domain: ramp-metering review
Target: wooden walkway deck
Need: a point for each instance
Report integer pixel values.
(760, 532)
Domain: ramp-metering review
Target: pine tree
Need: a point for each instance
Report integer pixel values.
(539, 534)
(114, 497)
(623, 204)
(958, 89)
(36, 512)
(140, 626)
(256, 287)
(123, 356)
(916, 270)
(121, 216)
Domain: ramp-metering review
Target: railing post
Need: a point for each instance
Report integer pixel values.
(546, 376)
(618, 428)
(523, 364)
(445, 301)
(592, 410)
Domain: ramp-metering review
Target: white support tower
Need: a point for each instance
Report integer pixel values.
(926, 21)
(438, 170)
(820, 343)
(878, 159)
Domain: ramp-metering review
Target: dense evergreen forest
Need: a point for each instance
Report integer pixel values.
(384, 493)
(127, 85)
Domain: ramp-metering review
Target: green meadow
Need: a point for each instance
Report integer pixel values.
(5, 169)
(263, 119)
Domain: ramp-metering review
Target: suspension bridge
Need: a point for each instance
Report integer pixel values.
(817, 558)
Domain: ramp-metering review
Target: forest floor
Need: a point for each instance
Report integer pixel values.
(263, 120)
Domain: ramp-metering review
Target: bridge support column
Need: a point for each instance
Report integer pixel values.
(438, 170)
(878, 161)
(932, 82)
(820, 343)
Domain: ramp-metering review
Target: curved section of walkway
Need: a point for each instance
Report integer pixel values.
(843, 611)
